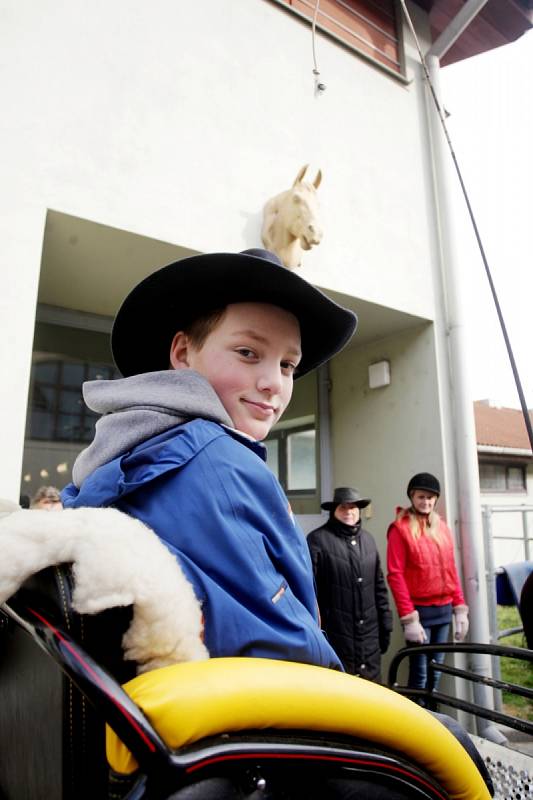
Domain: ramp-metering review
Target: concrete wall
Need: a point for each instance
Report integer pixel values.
(175, 121)
(381, 437)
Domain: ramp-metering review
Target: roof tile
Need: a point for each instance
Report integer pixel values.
(500, 427)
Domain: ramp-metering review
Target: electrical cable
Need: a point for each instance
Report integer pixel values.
(319, 86)
(518, 383)
(313, 34)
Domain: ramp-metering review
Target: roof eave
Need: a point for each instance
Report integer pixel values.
(460, 31)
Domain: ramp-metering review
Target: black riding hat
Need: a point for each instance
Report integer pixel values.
(425, 482)
(343, 494)
(173, 297)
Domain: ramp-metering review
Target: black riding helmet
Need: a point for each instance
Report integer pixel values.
(425, 482)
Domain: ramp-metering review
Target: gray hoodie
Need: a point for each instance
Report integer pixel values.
(135, 409)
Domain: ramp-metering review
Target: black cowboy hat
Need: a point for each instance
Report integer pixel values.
(170, 299)
(343, 494)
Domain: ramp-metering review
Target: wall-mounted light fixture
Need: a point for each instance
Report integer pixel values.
(379, 374)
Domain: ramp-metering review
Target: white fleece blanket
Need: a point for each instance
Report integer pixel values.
(117, 561)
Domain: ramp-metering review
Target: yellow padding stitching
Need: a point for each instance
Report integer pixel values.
(187, 702)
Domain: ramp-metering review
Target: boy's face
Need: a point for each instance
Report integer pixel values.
(249, 360)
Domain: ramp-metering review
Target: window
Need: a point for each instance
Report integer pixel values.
(291, 455)
(369, 26)
(293, 447)
(301, 461)
(502, 477)
(57, 411)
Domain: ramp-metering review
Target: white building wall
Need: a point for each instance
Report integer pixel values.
(512, 498)
(177, 122)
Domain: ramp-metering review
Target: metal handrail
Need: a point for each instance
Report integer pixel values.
(433, 696)
(510, 631)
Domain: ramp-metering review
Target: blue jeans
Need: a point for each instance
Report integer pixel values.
(418, 665)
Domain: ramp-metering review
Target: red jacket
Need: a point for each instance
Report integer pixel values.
(420, 571)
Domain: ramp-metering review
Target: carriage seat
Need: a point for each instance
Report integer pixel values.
(54, 738)
(191, 701)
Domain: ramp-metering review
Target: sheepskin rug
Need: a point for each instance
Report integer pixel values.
(117, 561)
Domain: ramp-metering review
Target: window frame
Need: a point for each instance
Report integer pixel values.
(506, 466)
(59, 387)
(400, 75)
(281, 435)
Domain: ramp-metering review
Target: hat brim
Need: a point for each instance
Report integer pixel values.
(330, 505)
(170, 299)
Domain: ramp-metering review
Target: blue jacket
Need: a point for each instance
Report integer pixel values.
(208, 494)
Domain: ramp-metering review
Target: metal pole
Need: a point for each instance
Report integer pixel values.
(491, 595)
(525, 530)
(470, 528)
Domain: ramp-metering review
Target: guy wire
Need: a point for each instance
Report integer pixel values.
(440, 112)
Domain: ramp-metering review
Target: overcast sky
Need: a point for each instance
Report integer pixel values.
(490, 99)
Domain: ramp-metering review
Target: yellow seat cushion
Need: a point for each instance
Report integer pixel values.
(187, 702)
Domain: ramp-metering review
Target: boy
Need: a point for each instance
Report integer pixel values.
(209, 347)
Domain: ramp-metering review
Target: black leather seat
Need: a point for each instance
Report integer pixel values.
(51, 741)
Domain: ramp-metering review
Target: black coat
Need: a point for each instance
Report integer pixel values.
(352, 595)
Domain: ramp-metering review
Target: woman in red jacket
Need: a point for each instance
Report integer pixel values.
(422, 576)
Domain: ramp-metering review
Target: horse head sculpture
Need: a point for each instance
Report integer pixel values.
(291, 222)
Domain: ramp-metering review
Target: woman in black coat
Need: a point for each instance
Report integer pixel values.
(351, 591)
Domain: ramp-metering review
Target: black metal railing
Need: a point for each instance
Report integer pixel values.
(510, 632)
(431, 696)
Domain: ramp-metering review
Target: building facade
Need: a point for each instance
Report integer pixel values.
(505, 481)
(135, 134)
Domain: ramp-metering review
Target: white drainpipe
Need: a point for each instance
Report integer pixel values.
(463, 433)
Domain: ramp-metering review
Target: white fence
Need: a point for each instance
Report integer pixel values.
(508, 538)
(508, 533)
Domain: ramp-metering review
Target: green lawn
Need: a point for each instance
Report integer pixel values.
(513, 671)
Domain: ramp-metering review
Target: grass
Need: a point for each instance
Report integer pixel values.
(513, 671)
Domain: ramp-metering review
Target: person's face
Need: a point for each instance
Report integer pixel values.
(47, 504)
(423, 502)
(249, 360)
(348, 513)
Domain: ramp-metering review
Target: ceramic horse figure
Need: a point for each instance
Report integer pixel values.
(291, 221)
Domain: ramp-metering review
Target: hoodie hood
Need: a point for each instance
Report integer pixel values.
(137, 408)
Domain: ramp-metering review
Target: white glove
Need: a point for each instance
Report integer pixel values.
(412, 629)
(460, 622)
